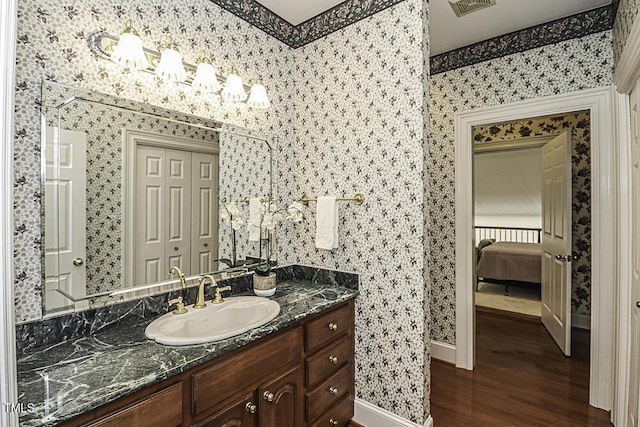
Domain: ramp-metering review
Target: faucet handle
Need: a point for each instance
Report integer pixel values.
(180, 309)
(218, 298)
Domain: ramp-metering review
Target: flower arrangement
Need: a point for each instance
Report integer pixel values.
(270, 217)
(231, 214)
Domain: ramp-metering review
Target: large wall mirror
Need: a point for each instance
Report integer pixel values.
(131, 190)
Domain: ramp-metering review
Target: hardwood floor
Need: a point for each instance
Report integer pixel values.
(521, 379)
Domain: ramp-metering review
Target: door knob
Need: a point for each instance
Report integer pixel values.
(206, 244)
(638, 304)
(565, 257)
(78, 262)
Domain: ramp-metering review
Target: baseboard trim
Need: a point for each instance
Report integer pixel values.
(443, 351)
(581, 321)
(370, 415)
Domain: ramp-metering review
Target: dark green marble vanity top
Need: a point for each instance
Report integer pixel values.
(75, 376)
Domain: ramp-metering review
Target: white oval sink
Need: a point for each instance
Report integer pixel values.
(215, 322)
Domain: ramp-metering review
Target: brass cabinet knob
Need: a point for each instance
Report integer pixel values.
(333, 326)
(251, 408)
(268, 396)
(78, 262)
(333, 422)
(333, 390)
(333, 359)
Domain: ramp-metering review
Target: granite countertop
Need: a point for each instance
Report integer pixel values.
(61, 381)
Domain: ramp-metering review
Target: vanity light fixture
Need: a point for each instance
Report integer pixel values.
(129, 52)
(258, 96)
(233, 87)
(206, 80)
(170, 66)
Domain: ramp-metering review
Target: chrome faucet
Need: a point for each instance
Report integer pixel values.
(200, 300)
(176, 270)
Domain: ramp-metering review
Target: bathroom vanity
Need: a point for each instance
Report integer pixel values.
(297, 370)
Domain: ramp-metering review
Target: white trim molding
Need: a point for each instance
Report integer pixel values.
(443, 351)
(599, 102)
(8, 372)
(370, 415)
(581, 321)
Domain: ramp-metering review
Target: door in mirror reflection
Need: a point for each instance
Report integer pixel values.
(174, 198)
(65, 249)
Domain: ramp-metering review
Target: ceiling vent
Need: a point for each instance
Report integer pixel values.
(465, 7)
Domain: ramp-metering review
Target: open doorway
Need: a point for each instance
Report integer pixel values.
(599, 104)
(508, 216)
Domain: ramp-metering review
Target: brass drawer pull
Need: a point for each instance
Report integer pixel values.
(251, 408)
(333, 326)
(268, 396)
(333, 390)
(333, 422)
(333, 359)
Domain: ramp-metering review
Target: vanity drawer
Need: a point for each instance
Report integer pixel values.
(212, 386)
(328, 392)
(328, 360)
(163, 408)
(328, 327)
(339, 415)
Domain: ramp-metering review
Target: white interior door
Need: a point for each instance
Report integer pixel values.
(65, 221)
(178, 227)
(633, 404)
(204, 222)
(556, 240)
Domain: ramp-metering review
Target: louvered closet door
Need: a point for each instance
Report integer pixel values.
(204, 214)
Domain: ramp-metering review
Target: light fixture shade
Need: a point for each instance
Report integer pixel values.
(205, 79)
(258, 96)
(233, 88)
(129, 53)
(170, 66)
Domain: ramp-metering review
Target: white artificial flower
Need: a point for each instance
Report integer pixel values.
(295, 212)
(267, 221)
(236, 223)
(224, 215)
(233, 210)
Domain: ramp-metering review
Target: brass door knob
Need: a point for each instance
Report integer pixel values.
(333, 359)
(268, 396)
(333, 390)
(333, 326)
(333, 422)
(175, 248)
(638, 304)
(78, 262)
(251, 408)
(206, 244)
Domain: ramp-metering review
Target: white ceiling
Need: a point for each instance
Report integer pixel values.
(449, 32)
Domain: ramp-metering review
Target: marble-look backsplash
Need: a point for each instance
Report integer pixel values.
(57, 329)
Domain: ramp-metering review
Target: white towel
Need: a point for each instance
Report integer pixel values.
(327, 223)
(254, 218)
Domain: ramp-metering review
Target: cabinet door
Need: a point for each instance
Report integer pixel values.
(281, 400)
(242, 413)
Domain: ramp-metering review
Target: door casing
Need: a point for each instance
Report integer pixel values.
(603, 194)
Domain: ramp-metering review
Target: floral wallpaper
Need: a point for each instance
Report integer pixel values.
(51, 45)
(568, 66)
(580, 126)
(359, 128)
(625, 17)
(578, 25)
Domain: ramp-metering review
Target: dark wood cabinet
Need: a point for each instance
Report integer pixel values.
(281, 404)
(301, 376)
(241, 413)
